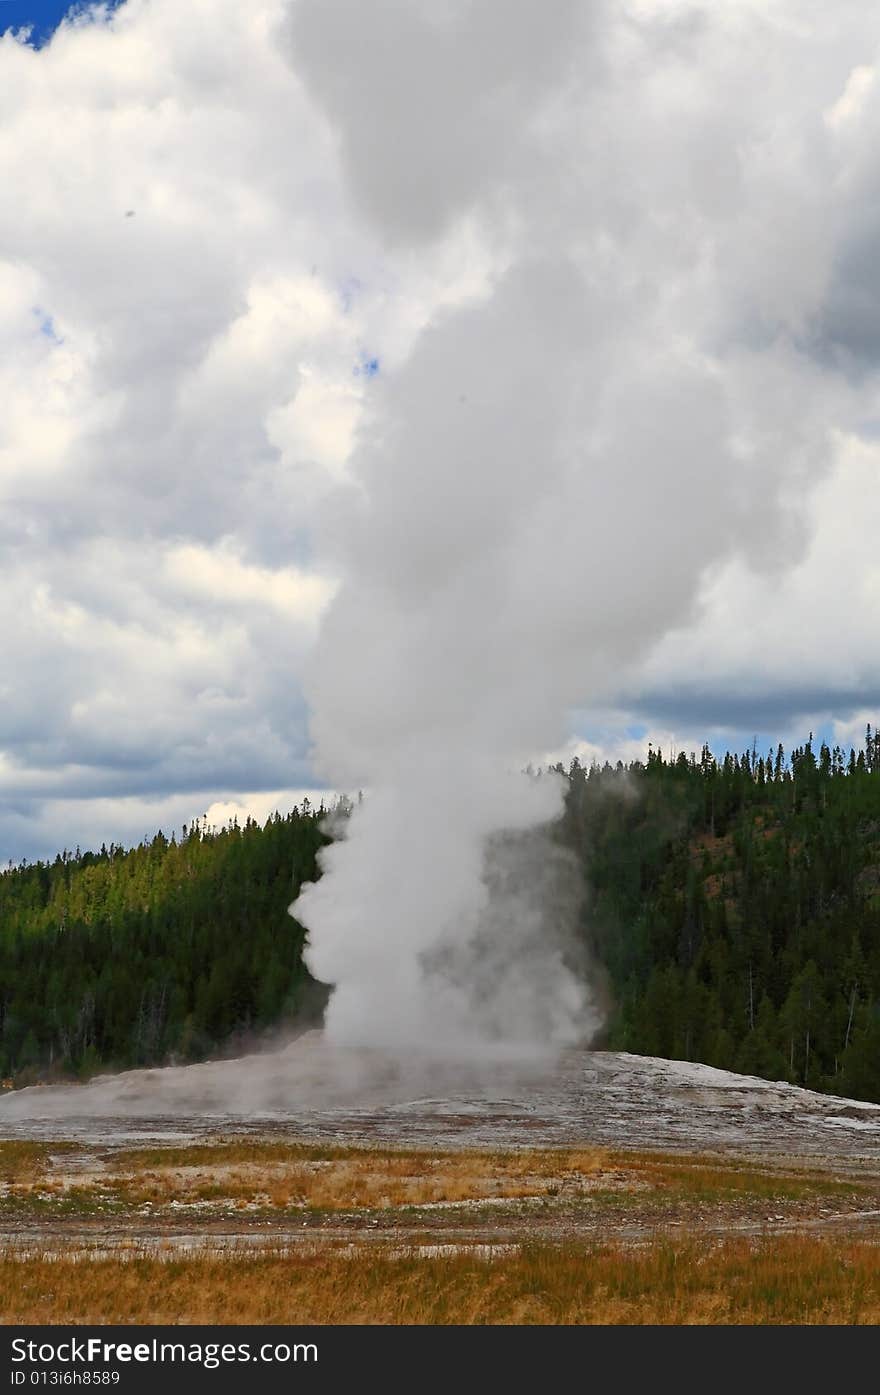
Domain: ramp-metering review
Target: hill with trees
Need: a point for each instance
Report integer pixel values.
(166, 952)
(733, 903)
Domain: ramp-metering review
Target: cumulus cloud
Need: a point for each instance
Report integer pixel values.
(554, 338)
(794, 652)
(172, 258)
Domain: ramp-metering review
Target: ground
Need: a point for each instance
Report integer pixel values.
(601, 1189)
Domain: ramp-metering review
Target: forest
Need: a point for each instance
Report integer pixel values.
(170, 951)
(735, 906)
(732, 907)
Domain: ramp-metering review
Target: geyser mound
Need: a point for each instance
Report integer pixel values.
(315, 1088)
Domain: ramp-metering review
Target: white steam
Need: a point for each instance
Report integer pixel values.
(436, 933)
(622, 401)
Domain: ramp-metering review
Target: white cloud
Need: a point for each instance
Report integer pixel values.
(618, 746)
(261, 805)
(852, 100)
(172, 256)
(618, 271)
(220, 576)
(805, 634)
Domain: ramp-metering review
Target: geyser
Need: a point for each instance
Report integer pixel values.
(451, 924)
(602, 399)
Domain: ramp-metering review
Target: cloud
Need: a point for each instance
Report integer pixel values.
(617, 270)
(157, 471)
(775, 652)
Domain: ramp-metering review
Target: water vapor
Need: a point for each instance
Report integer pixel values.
(625, 400)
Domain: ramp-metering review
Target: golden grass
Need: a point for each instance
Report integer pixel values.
(237, 1151)
(365, 1178)
(20, 1160)
(283, 1177)
(374, 1178)
(786, 1280)
(705, 1179)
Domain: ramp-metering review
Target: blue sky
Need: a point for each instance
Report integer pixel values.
(42, 16)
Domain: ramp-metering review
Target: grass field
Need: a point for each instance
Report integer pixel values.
(291, 1177)
(793, 1280)
(265, 1232)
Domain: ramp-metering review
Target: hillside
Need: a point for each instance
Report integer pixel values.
(164, 952)
(734, 905)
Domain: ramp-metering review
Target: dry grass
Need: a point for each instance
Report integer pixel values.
(336, 1180)
(23, 1161)
(365, 1178)
(245, 1151)
(788, 1280)
(646, 1277)
(708, 1180)
(284, 1177)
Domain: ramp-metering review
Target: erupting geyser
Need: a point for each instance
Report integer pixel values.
(593, 410)
(442, 932)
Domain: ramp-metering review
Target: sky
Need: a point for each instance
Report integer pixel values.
(40, 17)
(261, 261)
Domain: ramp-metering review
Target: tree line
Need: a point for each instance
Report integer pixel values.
(165, 952)
(733, 904)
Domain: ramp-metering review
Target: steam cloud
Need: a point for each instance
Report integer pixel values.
(627, 392)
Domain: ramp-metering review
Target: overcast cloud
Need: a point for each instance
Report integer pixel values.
(580, 314)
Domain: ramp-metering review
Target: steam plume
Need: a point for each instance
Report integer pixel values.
(576, 437)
